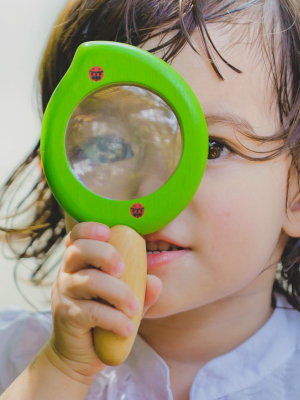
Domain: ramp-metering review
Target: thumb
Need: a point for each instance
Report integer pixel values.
(153, 289)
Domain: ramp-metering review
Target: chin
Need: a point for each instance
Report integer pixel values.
(158, 310)
(161, 309)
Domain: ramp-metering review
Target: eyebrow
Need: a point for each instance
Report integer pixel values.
(238, 123)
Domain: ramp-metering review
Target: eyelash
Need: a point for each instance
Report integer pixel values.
(213, 141)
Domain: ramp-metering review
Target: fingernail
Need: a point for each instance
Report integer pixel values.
(134, 305)
(101, 231)
(131, 327)
(119, 268)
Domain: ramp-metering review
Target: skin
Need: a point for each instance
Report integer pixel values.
(236, 226)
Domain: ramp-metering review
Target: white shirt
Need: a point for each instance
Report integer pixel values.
(265, 367)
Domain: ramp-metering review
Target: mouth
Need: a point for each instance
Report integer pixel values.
(162, 250)
(161, 246)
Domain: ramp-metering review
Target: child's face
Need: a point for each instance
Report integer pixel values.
(235, 226)
(235, 223)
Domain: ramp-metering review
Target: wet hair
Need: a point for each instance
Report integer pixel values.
(135, 22)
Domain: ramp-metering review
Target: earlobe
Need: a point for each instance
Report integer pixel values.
(295, 207)
(292, 224)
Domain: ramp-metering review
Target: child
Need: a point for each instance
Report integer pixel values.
(220, 320)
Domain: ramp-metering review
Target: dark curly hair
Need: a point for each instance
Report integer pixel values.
(135, 22)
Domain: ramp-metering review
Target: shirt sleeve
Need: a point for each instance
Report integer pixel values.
(22, 335)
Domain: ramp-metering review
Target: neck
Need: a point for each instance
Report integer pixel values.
(200, 335)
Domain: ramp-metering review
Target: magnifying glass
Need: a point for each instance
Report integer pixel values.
(124, 142)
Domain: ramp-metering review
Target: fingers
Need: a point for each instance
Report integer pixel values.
(89, 271)
(91, 314)
(153, 290)
(93, 284)
(86, 247)
(84, 253)
(88, 230)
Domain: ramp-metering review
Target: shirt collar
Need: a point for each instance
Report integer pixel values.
(254, 359)
(150, 368)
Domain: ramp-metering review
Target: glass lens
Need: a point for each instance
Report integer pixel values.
(123, 142)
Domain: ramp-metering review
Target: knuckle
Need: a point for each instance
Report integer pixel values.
(70, 255)
(78, 245)
(82, 283)
(60, 280)
(73, 284)
(74, 314)
(83, 230)
(94, 314)
(85, 276)
(74, 253)
(76, 285)
(60, 308)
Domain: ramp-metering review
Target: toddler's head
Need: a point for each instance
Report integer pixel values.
(242, 60)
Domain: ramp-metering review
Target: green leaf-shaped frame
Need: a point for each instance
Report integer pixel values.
(123, 65)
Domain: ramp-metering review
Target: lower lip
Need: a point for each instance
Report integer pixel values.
(155, 261)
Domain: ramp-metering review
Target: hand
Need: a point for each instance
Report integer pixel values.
(90, 270)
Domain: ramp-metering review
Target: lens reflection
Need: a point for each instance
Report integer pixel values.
(123, 142)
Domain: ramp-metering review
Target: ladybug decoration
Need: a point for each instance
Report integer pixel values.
(137, 210)
(96, 74)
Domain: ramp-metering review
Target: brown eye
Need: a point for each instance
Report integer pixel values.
(216, 149)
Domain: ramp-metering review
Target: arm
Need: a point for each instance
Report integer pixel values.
(48, 378)
(68, 364)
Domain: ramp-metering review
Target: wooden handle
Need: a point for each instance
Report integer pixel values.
(111, 348)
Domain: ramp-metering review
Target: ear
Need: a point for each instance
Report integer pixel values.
(292, 223)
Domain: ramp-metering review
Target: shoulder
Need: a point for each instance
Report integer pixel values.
(283, 382)
(22, 335)
(291, 321)
(289, 372)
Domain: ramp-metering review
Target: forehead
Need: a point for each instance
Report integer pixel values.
(249, 96)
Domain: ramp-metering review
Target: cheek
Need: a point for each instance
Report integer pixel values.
(230, 226)
(240, 221)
